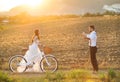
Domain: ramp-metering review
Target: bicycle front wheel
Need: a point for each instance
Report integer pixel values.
(17, 64)
(49, 64)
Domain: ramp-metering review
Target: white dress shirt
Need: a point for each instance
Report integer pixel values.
(93, 39)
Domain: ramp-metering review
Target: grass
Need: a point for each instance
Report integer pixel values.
(111, 74)
(1, 27)
(78, 75)
(5, 78)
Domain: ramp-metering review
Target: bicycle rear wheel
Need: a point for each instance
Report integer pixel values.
(49, 64)
(17, 64)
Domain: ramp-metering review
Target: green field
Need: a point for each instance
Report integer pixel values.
(77, 75)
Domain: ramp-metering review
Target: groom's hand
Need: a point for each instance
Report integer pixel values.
(85, 35)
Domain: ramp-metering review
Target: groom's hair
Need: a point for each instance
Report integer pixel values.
(92, 26)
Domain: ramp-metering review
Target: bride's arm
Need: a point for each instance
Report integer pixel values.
(41, 46)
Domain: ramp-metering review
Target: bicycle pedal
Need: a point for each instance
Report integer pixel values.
(33, 63)
(30, 66)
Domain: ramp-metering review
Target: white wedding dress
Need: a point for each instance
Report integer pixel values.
(32, 55)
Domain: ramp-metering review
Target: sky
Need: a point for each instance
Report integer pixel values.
(6, 5)
(61, 6)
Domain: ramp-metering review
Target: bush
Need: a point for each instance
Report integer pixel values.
(111, 74)
(5, 78)
(110, 13)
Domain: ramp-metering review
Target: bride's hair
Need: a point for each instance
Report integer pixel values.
(36, 33)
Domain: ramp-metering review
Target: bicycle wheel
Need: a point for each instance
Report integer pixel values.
(49, 64)
(17, 64)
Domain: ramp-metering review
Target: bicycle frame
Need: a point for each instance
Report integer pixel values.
(44, 56)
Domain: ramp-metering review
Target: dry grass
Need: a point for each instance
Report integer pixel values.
(64, 36)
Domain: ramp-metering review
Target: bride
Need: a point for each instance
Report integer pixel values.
(33, 54)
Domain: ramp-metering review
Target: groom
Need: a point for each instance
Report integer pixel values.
(92, 37)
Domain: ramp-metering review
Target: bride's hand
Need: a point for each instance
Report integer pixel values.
(83, 33)
(24, 49)
(41, 46)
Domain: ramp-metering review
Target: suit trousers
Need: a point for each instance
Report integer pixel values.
(93, 51)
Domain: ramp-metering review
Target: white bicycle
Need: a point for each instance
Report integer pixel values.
(48, 63)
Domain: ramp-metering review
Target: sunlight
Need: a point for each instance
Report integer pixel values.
(89, 80)
(6, 5)
(32, 3)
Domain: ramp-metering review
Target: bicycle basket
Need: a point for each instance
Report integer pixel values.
(47, 50)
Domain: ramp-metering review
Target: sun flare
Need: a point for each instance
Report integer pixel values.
(6, 5)
(32, 3)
